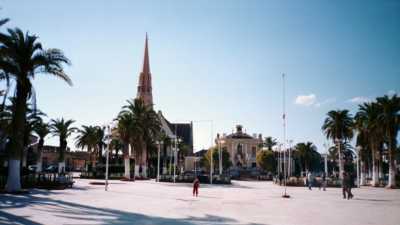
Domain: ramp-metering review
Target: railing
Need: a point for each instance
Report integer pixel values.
(43, 180)
(217, 179)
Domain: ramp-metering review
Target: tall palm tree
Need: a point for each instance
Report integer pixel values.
(42, 130)
(23, 57)
(389, 118)
(100, 144)
(270, 142)
(146, 127)
(306, 154)
(127, 129)
(3, 74)
(87, 139)
(62, 128)
(338, 126)
(369, 126)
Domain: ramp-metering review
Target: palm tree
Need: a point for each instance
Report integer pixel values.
(270, 142)
(338, 126)
(369, 126)
(42, 130)
(145, 127)
(87, 139)
(306, 154)
(127, 129)
(116, 144)
(100, 144)
(3, 74)
(389, 118)
(23, 57)
(62, 128)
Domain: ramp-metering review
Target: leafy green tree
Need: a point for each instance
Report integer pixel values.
(338, 126)
(205, 161)
(267, 160)
(22, 58)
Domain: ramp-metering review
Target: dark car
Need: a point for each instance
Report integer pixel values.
(51, 169)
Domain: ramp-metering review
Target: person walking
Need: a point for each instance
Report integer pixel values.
(280, 178)
(310, 180)
(345, 184)
(196, 185)
(323, 182)
(350, 186)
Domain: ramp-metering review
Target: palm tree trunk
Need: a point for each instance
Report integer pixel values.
(127, 165)
(375, 178)
(17, 137)
(392, 166)
(363, 171)
(341, 165)
(144, 160)
(61, 160)
(39, 156)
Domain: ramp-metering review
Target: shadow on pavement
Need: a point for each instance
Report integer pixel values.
(81, 214)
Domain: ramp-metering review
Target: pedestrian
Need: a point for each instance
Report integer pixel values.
(140, 171)
(196, 185)
(323, 181)
(345, 184)
(310, 180)
(350, 185)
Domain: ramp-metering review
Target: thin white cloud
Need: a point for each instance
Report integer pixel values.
(306, 100)
(391, 92)
(359, 99)
(325, 102)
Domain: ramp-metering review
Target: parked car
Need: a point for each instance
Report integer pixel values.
(51, 169)
(32, 168)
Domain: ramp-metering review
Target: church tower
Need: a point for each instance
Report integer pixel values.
(144, 90)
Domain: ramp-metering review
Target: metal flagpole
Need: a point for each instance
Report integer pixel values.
(285, 195)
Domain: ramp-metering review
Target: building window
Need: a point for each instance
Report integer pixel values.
(254, 165)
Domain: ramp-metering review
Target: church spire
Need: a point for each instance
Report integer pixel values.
(144, 91)
(146, 62)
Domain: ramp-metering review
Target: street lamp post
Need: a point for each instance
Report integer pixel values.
(158, 160)
(211, 165)
(108, 140)
(220, 142)
(290, 158)
(326, 159)
(175, 156)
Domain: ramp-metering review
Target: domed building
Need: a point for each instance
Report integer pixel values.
(242, 148)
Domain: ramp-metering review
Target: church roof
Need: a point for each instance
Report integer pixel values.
(183, 131)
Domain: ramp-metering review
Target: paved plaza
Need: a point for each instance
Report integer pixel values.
(148, 202)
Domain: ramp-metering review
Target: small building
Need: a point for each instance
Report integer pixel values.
(74, 160)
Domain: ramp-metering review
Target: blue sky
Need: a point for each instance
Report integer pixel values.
(219, 61)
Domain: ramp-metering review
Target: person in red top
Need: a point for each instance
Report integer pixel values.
(196, 184)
